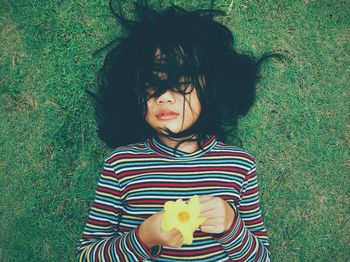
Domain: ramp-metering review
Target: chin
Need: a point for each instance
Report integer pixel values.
(174, 129)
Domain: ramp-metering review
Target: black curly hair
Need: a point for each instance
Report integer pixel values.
(193, 46)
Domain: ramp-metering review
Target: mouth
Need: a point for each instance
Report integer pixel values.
(166, 115)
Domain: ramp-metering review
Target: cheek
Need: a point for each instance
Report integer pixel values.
(196, 111)
(195, 105)
(149, 111)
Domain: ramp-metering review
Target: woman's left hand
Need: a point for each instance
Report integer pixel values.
(218, 213)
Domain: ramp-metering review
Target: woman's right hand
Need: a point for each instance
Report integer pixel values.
(152, 234)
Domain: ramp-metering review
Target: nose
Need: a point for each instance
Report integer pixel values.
(167, 97)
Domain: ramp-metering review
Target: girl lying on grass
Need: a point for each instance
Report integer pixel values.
(166, 91)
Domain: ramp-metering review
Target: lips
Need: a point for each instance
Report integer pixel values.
(166, 115)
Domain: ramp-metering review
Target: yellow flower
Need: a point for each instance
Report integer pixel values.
(183, 217)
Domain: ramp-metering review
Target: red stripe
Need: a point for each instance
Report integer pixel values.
(252, 191)
(104, 207)
(253, 222)
(259, 233)
(182, 169)
(116, 248)
(107, 172)
(98, 222)
(122, 156)
(244, 240)
(250, 251)
(227, 153)
(145, 201)
(127, 156)
(258, 255)
(191, 253)
(181, 185)
(250, 207)
(107, 190)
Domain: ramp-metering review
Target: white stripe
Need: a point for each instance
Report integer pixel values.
(159, 167)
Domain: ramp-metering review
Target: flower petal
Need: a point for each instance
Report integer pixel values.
(175, 217)
(169, 206)
(195, 223)
(194, 206)
(181, 204)
(168, 223)
(187, 234)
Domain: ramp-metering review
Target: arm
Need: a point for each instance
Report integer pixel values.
(246, 239)
(102, 241)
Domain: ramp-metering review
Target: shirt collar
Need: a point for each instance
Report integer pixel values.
(156, 145)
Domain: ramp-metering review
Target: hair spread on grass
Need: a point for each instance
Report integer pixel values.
(192, 45)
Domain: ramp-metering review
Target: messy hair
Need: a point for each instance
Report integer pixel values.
(192, 45)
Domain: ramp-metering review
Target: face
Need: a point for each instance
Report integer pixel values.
(173, 110)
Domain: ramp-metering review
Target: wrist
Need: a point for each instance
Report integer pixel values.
(230, 217)
(146, 237)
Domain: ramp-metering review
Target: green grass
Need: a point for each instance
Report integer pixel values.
(298, 129)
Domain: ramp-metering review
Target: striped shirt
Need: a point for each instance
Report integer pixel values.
(138, 179)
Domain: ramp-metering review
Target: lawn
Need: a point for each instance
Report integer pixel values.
(299, 128)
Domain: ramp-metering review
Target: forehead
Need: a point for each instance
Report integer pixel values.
(171, 59)
(166, 65)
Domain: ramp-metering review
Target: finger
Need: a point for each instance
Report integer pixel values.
(176, 237)
(179, 242)
(211, 222)
(175, 241)
(212, 229)
(159, 215)
(209, 213)
(173, 233)
(208, 206)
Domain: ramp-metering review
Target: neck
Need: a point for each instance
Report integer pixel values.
(188, 146)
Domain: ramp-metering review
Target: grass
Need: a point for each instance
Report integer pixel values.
(298, 129)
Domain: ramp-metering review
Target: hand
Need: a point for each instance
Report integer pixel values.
(218, 212)
(151, 233)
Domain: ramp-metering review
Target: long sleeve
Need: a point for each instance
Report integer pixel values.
(101, 239)
(246, 240)
(139, 178)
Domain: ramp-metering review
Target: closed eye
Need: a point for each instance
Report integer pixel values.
(184, 87)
